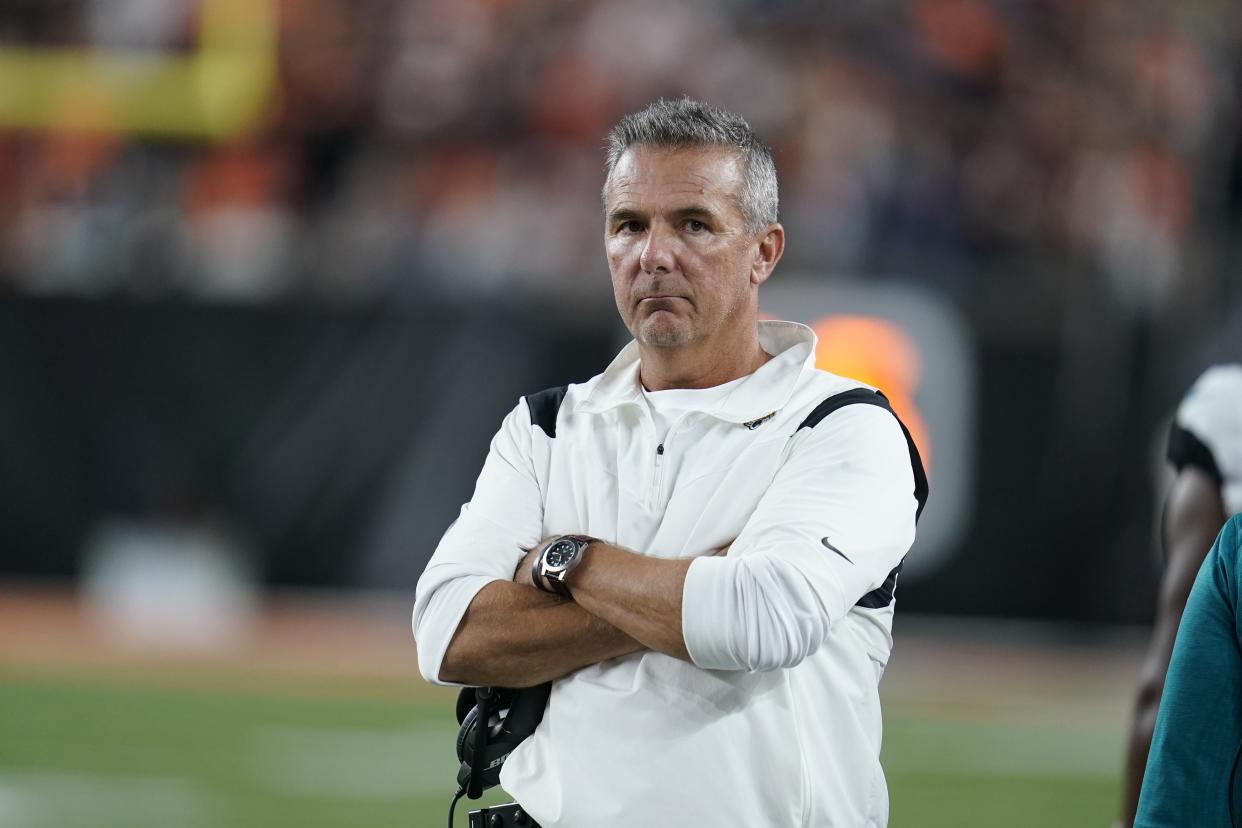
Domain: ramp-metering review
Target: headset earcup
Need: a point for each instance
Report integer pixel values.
(514, 715)
(463, 735)
(466, 737)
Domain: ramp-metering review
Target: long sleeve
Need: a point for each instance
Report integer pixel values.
(837, 519)
(1199, 727)
(501, 521)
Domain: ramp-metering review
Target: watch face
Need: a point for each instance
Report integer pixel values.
(560, 553)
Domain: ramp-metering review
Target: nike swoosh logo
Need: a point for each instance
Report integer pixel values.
(825, 542)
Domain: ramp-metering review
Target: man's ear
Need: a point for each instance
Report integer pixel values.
(767, 253)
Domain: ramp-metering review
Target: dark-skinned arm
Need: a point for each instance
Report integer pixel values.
(791, 586)
(1193, 517)
(635, 593)
(629, 591)
(513, 635)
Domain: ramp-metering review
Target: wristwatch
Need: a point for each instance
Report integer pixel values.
(556, 561)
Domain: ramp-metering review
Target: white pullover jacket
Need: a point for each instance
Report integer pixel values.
(777, 720)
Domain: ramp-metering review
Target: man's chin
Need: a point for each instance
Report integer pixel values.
(658, 333)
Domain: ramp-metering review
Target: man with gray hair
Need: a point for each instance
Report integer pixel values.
(699, 546)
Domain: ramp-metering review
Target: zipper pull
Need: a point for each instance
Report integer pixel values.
(660, 449)
(753, 424)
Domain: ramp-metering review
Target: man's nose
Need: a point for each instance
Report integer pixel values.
(658, 253)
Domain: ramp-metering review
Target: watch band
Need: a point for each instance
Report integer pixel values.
(558, 586)
(536, 571)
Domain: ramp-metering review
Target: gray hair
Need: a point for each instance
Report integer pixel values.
(689, 123)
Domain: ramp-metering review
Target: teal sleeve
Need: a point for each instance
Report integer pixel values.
(1199, 726)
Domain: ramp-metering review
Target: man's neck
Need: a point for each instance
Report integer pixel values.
(700, 366)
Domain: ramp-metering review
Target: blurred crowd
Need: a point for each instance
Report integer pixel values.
(452, 149)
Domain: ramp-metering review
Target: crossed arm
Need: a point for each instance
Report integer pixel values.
(767, 606)
(513, 635)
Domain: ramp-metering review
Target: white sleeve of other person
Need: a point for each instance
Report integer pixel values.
(1212, 413)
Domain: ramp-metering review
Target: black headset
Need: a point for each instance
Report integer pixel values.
(511, 715)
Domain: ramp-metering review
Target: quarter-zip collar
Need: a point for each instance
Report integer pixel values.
(791, 345)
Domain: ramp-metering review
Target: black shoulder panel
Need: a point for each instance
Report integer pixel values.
(544, 406)
(866, 396)
(882, 595)
(1185, 449)
(855, 395)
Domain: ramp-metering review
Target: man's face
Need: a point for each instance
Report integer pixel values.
(677, 246)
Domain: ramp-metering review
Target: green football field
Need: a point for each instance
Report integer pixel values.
(122, 748)
(317, 717)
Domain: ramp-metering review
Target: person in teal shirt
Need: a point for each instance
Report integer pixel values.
(1192, 769)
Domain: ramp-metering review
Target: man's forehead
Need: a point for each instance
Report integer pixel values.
(645, 172)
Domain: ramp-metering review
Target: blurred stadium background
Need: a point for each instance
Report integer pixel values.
(271, 271)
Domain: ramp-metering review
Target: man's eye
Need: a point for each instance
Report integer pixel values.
(695, 226)
(630, 226)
